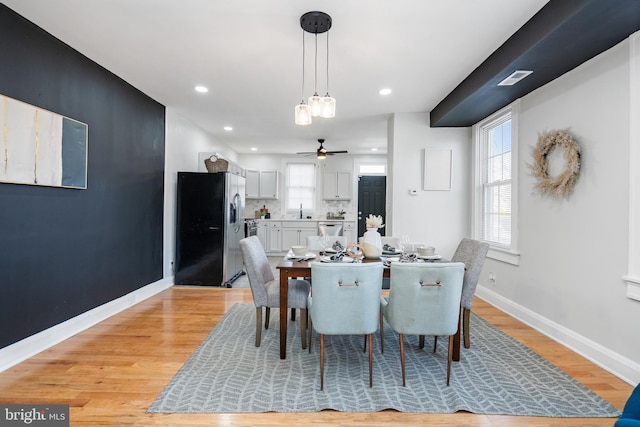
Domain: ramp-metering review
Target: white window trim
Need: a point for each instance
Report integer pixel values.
(509, 255)
(632, 278)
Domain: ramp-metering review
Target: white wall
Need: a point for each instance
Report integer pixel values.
(574, 251)
(437, 218)
(183, 142)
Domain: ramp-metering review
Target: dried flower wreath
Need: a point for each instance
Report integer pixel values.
(561, 185)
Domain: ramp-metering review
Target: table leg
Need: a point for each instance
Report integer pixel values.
(284, 303)
(456, 342)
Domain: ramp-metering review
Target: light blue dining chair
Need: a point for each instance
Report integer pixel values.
(424, 299)
(345, 301)
(266, 289)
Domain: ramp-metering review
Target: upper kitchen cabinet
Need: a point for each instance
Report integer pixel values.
(336, 185)
(261, 184)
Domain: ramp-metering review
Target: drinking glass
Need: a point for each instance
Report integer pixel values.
(404, 243)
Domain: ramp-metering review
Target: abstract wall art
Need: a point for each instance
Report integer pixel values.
(39, 147)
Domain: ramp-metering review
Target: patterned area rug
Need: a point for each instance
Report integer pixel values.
(497, 375)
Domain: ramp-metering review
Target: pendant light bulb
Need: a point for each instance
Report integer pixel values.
(328, 107)
(303, 114)
(315, 104)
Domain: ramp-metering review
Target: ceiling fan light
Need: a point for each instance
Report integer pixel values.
(328, 107)
(315, 103)
(303, 114)
(321, 155)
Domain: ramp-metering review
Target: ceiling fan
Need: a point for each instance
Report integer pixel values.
(322, 152)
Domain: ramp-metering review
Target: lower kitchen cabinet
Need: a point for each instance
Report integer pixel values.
(296, 232)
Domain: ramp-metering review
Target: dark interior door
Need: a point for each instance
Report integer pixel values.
(200, 228)
(372, 196)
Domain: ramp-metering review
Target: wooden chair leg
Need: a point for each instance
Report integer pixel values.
(381, 334)
(404, 382)
(435, 343)
(449, 357)
(303, 327)
(370, 360)
(266, 319)
(466, 314)
(421, 342)
(258, 325)
(321, 362)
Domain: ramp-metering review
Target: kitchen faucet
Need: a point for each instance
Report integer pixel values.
(300, 210)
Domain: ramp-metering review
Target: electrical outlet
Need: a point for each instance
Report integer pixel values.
(493, 279)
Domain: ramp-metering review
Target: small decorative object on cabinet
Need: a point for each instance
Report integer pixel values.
(371, 240)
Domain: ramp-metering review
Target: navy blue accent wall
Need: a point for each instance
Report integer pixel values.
(65, 251)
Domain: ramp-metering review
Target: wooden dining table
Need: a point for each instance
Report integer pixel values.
(291, 268)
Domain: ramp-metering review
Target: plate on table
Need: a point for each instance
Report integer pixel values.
(310, 255)
(396, 252)
(429, 257)
(328, 259)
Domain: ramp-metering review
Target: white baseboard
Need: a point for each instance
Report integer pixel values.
(625, 369)
(30, 346)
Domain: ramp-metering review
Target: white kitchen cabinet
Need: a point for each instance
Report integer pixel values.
(275, 236)
(268, 184)
(263, 234)
(296, 232)
(252, 184)
(350, 232)
(261, 184)
(336, 185)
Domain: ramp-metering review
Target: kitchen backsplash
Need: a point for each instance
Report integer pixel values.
(274, 207)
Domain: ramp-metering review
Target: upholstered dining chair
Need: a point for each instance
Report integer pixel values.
(345, 301)
(424, 299)
(266, 289)
(472, 253)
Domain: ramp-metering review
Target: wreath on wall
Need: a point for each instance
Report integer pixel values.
(561, 185)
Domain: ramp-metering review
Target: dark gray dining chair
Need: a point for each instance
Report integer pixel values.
(472, 253)
(266, 289)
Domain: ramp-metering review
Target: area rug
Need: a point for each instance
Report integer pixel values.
(497, 375)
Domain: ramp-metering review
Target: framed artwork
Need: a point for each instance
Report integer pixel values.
(437, 169)
(39, 147)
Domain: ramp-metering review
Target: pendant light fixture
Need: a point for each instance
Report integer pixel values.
(303, 112)
(328, 109)
(315, 23)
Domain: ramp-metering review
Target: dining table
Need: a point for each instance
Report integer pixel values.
(291, 268)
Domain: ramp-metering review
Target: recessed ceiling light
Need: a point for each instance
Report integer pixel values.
(515, 77)
(385, 91)
(228, 128)
(201, 89)
(254, 149)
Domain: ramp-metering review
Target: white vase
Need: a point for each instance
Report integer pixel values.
(372, 243)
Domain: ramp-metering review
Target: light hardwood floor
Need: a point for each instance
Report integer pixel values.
(111, 373)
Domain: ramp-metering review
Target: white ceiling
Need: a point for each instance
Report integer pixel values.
(249, 54)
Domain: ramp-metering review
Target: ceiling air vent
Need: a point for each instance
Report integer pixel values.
(515, 77)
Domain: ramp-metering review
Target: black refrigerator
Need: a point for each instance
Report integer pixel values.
(209, 228)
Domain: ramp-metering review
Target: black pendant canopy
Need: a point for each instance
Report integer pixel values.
(315, 22)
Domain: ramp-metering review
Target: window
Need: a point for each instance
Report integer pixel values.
(372, 169)
(301, 186)
(494, 204)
